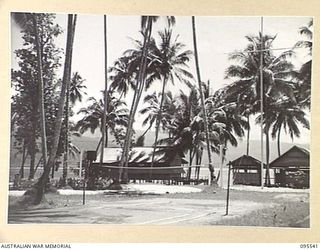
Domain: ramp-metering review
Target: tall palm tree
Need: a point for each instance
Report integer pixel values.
(211, 168)
(41, 89)
(74, 93)
(104, 130)
(169, 61)
(278, 78)
(43, 180)
(146, 26)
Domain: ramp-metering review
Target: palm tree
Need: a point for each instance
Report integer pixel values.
(169, 61)
(74, 93)
(288, 115)
(104, 130)
(41, 89)
(304, 74)
(278, 78)
(77, 88)
(153, 108)
(43, 180)
(123, 75)
(116, 115)
(211, 168)
(187, 134)
(146, 26)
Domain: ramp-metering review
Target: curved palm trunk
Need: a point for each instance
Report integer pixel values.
(43, 180)
(278, 142)
(211, 168)
(41, 90)
(126, 138)
(140, 86)
(164, 83)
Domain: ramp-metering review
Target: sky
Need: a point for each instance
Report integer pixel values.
(216, 37)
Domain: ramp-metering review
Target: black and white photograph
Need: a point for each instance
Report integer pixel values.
(160, 120)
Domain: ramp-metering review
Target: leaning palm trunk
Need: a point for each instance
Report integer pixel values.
(43, 180)
(139, 90)
(158, 123)
(125, 141)
(211, 168)
(41, 90)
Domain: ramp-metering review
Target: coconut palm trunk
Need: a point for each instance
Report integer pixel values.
(125, 141)
(211, 168)
(41, 89)
(66, 150)
(164, 83)
(140, 87)
(67, 109)
(279, 141)
(104, 131)
(43, 180)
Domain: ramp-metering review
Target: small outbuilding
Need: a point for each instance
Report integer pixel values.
(246, 170)
(292, 168)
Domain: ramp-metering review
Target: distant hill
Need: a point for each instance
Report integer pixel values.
(91, 142)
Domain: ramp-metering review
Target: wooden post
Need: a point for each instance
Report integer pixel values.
(84, 186)
(221, 166)
(80, 164)
(228, 189)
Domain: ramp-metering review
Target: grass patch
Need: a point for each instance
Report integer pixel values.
(286, 214)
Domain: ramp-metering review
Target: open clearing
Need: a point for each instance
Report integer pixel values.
(205, 208)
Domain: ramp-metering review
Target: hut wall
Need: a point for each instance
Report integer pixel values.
(247, 178)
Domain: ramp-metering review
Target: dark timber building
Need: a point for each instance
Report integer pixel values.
(292, 168)
(246, 171)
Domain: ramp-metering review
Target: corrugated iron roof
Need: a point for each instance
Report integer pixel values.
(137, 155)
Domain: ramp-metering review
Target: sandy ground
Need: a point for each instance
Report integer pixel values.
(174, 205)
(158, 211)
(163, 189)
